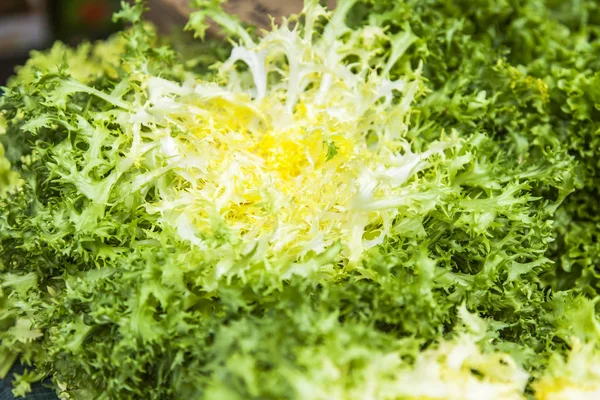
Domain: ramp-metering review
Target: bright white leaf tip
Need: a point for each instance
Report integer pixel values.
(574, 377)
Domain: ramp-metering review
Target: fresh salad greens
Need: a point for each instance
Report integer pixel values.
(397, 199)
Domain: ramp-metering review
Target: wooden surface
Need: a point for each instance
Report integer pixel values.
(257, 12)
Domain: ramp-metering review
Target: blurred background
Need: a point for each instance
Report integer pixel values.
(27, 25)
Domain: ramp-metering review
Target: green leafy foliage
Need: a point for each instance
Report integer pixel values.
(393, 200)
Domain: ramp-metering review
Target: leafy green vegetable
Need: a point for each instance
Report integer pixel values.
(392, 200)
